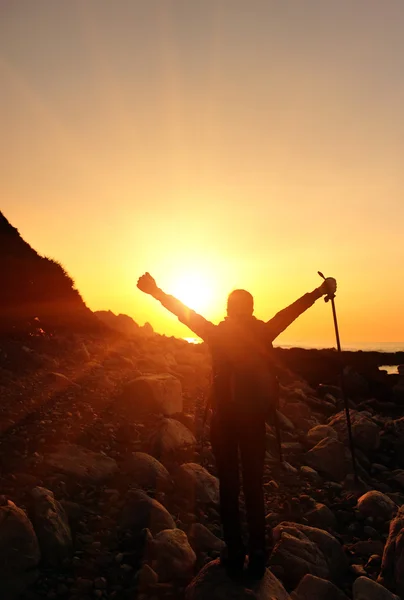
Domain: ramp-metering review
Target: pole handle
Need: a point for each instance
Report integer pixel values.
(329, 296)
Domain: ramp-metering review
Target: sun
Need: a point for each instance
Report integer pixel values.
(193, 290)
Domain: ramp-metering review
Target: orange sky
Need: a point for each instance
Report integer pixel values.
(248, 144)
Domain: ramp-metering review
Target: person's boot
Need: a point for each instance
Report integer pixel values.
(256, 564)
(232, 558)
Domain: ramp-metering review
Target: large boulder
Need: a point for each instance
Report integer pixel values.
(310, 474)
(147, 472)
(116, 360)
(377, 505)
(298, 556)
(392, 570)
(322, 517)
(171, 555)
(365, 431)
(367, 589)
(19, 551)
(330, 548)
(203, 540)
(154, 393)
(298, 412)
(314, 588)
(330, 457)
(169, 438)
(51, 527)
(212, 583)
(142, 512)
(81, 463)
(196, 485)
(320, 432)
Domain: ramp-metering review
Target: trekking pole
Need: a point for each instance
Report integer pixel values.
(278, 436)
(204, 421)
(342, 381)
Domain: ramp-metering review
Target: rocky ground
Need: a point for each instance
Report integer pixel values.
(109, 490)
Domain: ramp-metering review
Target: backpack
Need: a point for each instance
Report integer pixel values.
(244, 370)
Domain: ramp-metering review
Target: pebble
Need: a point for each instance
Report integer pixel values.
(370, 531)
(374, 561)
(100, 583)
(272, 484)
(289, 468)
(127, 568)
(359, 570)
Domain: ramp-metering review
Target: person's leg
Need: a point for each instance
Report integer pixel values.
(252, 447)
(224, 439)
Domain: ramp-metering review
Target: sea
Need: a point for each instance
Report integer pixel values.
(388, 347)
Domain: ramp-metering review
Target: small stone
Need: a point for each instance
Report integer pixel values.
(358, 570)
(374, 561)
(272, 485)
(62, 589)
(84, 585)
(289, 468)
(100, 583)
(309, 473)
(273, 519)
(370, 531)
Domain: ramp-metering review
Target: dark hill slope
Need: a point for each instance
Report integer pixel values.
(35, 291)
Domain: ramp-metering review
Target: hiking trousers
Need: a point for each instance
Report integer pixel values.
(232, 435)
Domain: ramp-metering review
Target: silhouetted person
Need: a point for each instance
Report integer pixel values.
(244, 386)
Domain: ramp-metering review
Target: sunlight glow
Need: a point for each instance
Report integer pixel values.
(194, 290)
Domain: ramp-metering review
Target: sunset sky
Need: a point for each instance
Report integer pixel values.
(241, 143)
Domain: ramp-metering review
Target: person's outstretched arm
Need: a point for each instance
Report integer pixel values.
(198, 324)
(285, 317)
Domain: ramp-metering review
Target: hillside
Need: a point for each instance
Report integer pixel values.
(36, 292)
(122, 323)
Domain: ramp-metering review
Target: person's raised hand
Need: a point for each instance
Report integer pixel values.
(329, 286)
(147, 284)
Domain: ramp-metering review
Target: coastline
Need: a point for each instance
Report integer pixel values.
(380, 347)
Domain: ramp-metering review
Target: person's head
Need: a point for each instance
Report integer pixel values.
(240, 303)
